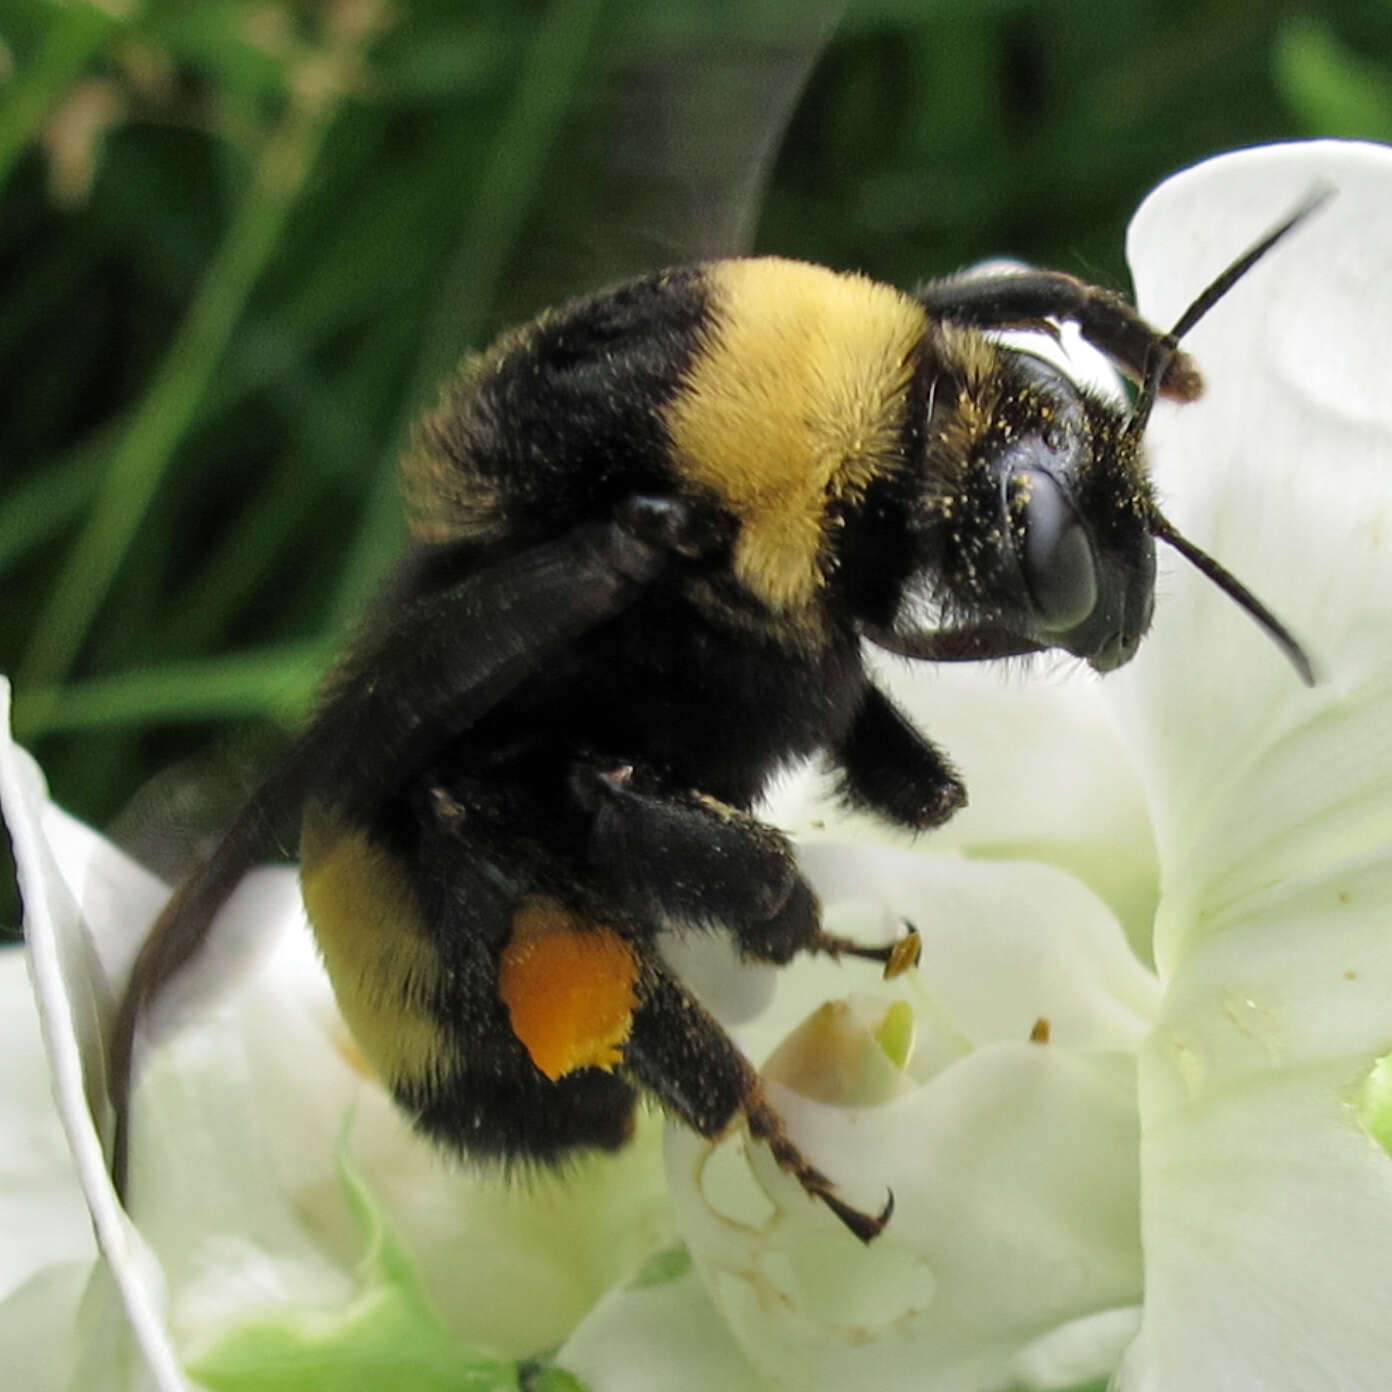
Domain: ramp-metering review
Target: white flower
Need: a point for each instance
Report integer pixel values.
(47, 1247)
(1267, 1199)
(1179, 878)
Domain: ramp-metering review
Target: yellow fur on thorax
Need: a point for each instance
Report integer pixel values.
(795, 401)
(382, 966)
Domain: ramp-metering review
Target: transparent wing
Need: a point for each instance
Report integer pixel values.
(666, 154)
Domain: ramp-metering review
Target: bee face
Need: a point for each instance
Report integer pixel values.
(1073, 505)
(1035, 516)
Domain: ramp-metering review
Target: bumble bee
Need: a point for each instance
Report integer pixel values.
(653, 528)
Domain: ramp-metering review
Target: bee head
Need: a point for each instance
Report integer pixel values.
(1024, 513)
(1063, 555)
(1034, 520)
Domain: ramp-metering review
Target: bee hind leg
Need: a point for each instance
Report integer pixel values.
(766, 1125)
(682, 1056)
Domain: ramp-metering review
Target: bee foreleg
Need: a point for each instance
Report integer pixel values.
(888, 767)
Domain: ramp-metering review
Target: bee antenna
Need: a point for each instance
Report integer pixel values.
(1162, 352)
(1237, 591)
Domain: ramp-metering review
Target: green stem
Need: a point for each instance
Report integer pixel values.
(172, 400)
(76, 33)
(328, 426)
(506, 189)
(277, 682)
(42, 506)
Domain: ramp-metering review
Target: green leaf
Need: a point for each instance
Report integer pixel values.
(895, 1033)
(71, 40)
(1332, 89)
(388, 1337)
(269, 681)
(662, 1267)
(1374, 1104)
(537, 1378)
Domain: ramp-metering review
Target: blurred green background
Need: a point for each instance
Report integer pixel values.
(241, 243)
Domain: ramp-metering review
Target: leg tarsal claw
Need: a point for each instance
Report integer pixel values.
(896, 958)
(903, 953)
(866, 1226)
(766, 1125)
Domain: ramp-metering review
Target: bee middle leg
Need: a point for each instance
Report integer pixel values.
(694, 859)
(680, 1054)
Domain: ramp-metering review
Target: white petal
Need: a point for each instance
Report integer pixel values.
(667, 1335)
(1267, 1215)
(1013, 1165)
(42, 1213)
(1268, 1209)
(74, 998)
(247, 1080)
(1014, 1176)
(1004, 945)
(1048, 777)
(228, 1234)
(1284, 472)
(1273, 1271)
(37, 1321)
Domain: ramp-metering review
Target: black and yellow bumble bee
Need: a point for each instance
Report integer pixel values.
(653, 528)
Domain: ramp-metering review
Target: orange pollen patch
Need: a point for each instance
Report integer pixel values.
(568, 987)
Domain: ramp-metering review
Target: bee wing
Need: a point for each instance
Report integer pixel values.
(664, 155)
(458, 651)
(453, 654)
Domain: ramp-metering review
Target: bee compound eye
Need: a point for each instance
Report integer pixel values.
(1053, 548)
